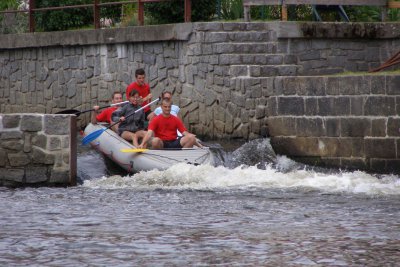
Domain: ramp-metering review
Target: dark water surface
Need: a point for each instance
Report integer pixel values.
(278, 215)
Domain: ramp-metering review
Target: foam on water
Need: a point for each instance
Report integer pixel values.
(205, 177)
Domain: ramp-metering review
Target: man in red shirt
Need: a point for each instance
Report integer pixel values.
(143, 89)
(164, 127)
(105, 115)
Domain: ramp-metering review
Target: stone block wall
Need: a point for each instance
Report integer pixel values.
(346, 121)
(37, 149)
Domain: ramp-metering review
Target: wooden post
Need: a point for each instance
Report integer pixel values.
(188, 10)
(284, 15)
(141, 13)
(96, 14)
(31, 16)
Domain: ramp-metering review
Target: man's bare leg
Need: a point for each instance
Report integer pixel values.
(188, 141)
(157, 143)
(129, 136)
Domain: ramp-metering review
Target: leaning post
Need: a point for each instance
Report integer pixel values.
(188, 10)
(31, 16)
(96, 14)
(140, 12)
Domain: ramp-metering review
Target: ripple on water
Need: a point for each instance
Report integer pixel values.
(203, 215)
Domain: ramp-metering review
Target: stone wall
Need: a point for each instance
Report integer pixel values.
(225, 76)
(346, 121)
(37, 149)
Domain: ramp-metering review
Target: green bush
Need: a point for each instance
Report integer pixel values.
(60, 20)
(230, 9)
(7, 4)
(363, 13)
(173, 11)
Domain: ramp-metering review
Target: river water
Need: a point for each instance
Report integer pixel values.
(257, 210)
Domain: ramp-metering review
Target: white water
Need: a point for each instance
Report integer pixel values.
(184, 176)
(280, 214)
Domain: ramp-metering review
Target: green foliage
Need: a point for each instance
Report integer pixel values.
(9, 4)
(371, 14)
(295, 12)
(394, 14)
(173, 11)
(300, 13)
(363, 13)
(59, 20)
(265, 12)
(230, 9)
(112, 12)
(12, 22)
(129, 15)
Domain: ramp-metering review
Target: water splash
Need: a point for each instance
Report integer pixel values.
(252, 165)
(258, 152)
(205, 177)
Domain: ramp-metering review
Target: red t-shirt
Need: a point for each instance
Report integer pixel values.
(165, 128)
(105, 115)
(143, 90)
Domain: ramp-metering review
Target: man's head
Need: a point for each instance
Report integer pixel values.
(166, 94)
(134, 97)
(116, 97)
(140, 75)
(166, 107)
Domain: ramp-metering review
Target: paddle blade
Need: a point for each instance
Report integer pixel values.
(92, 136)
(133, 150)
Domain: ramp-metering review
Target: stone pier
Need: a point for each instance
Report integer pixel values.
(37, 149)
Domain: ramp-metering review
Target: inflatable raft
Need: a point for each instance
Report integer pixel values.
(112, 145)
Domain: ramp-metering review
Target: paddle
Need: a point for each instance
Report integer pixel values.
(77, 112)
(137, 150)
(133, 150)
(92, 136)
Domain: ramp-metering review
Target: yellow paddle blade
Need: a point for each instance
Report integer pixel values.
(133, 150)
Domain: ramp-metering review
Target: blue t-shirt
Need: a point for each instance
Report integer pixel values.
(174, 110)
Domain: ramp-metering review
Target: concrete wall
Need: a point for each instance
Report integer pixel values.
(37, 149)
(225, 76)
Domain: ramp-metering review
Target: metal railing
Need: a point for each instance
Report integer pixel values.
(96, 10)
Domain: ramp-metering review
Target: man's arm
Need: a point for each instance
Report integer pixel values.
(147, 98)
(117, 114)
(146, 138)
(93, 118)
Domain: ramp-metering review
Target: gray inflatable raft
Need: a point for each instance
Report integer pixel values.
(111, 144)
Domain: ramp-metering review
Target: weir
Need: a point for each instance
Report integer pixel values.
(302, 84)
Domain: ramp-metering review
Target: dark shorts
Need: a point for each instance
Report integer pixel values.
(173, 144)
(147, 114)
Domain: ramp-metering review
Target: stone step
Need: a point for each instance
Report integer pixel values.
(256, 59)
(223, 37)
(264, 70)
(232, 48)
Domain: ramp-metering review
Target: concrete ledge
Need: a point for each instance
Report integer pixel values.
(183, 31)
(103, 36)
